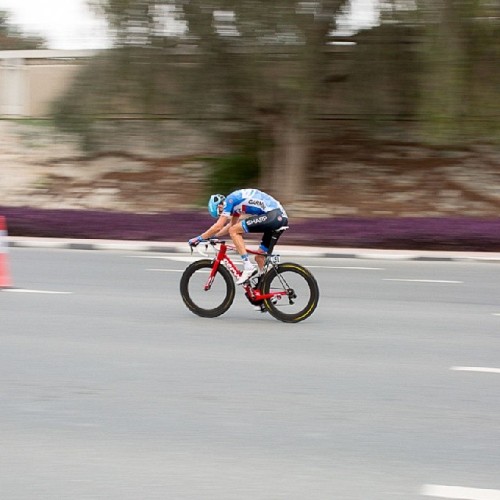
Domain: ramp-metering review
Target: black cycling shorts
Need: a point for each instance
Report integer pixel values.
(266, 223)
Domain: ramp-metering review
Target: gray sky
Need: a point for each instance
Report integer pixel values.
(69, 24)
(66, 24)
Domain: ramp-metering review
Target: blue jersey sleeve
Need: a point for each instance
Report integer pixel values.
(232, 201)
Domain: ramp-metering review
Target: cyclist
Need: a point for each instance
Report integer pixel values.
(264, 214)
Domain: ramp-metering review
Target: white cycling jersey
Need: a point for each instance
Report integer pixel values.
(250, 202)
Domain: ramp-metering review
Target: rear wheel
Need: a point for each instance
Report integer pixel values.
(207, 303)
(302, 292)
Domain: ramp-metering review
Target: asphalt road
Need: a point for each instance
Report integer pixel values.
(111, 389)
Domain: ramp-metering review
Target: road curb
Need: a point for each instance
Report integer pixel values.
(285, 250)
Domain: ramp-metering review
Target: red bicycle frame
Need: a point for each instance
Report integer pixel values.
(254, 294)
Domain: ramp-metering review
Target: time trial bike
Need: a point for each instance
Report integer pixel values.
(288, 291)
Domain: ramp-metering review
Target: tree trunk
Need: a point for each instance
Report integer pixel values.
(291, 167)
(284, 162)
(443, 95)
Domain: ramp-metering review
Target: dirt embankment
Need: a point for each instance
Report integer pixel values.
(351, 177)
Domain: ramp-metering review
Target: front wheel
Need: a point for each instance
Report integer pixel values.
(212, 302)
(302, 292)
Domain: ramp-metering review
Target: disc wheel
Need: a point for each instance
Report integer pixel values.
(302, 292)
(207, 303)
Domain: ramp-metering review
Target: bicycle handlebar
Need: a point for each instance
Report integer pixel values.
(211, 241)
(198, 249)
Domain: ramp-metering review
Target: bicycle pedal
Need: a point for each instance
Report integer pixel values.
(260, 308)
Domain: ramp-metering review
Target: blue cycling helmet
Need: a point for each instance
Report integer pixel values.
(213, 204)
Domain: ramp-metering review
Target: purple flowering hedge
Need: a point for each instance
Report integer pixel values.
(425, 233)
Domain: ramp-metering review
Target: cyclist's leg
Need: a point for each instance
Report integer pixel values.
(236, 233)
(269, 225)
(264, 248)
(273, 239)
(269, 240)
(249, 269)
(260, 259)
(254, 224)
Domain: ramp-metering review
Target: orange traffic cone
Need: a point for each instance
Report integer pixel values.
(5, 281)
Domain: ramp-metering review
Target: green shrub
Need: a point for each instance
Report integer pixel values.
(233, 172)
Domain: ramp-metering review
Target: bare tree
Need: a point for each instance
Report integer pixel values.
(261, 64)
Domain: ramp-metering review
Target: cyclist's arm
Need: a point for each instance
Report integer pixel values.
(216, 228)
(225, 229)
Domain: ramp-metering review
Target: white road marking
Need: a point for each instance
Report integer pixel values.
(181, 258)
(421, 281)
(178, 259)
(24, 290)
(348, 267)
(174, 271)
(496, 314)
(482, 369)
(459, 492)
(167, 270)
(192, 259)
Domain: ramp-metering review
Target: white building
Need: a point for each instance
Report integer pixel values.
(31, 79)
